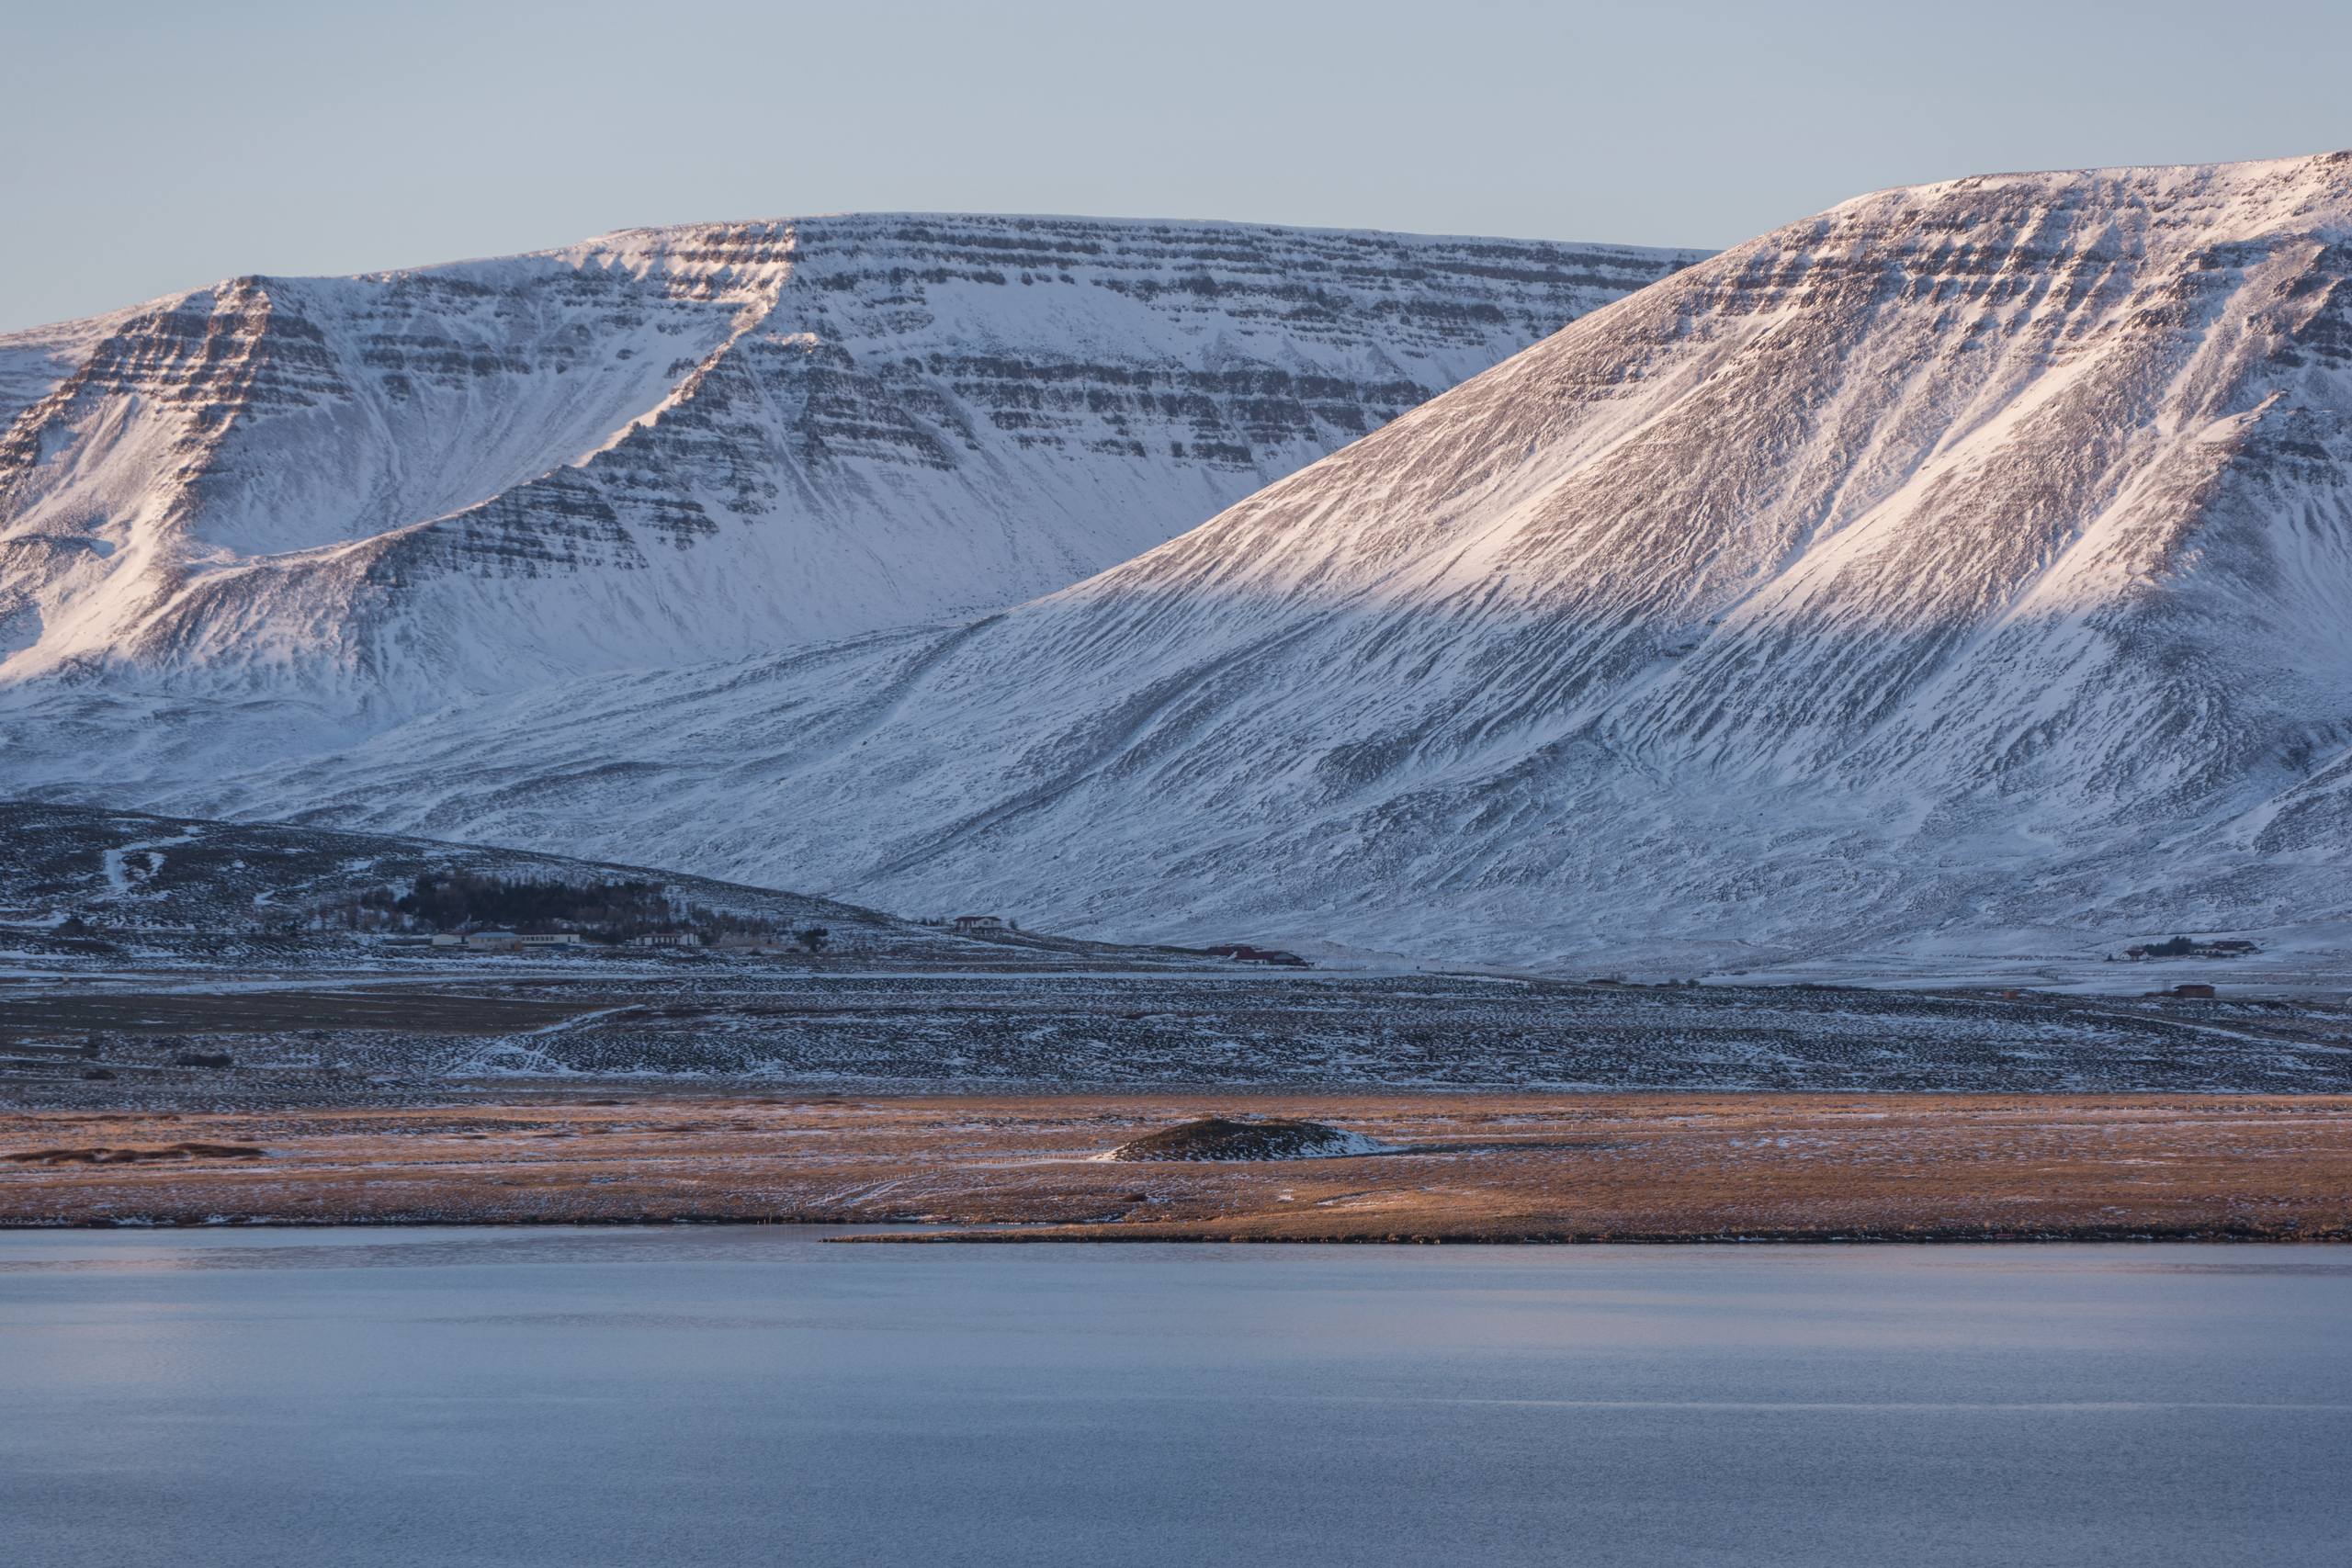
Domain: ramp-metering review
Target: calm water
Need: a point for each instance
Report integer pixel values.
(754, 1396)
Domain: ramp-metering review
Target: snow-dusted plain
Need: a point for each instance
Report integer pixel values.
(1957, 578)
(721, 1024)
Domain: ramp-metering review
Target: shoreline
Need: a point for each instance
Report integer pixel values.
(895, 1234)
(1078, 1235)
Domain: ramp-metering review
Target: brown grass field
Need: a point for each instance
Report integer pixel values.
(1486, 1166)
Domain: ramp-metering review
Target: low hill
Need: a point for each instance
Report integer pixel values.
(79, 879)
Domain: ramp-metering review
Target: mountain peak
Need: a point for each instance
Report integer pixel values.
(1961, 563)
(1960, 568)
(374, 492)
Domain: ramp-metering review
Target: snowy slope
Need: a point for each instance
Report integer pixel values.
(360, 497)
(1966, 565)
(1965, 568)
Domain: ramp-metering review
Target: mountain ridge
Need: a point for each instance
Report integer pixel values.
(1961, 565)
(658, 444)
(1966, 558)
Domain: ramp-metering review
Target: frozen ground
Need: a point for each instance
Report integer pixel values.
(397, 1042)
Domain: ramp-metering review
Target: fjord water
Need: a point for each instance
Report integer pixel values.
(755, 1396)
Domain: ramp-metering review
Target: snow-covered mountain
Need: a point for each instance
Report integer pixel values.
(1966, 564)
(364, 496)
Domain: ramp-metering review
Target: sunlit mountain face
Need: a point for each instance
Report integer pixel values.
(1965, 566)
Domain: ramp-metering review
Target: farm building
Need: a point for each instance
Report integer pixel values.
(1244, 952)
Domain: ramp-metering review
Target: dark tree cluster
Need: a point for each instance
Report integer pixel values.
(446, 899)
(457, 900)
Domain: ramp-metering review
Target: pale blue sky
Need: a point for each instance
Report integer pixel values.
(159, 146)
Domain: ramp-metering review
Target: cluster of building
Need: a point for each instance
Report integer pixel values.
(2188, 947)
(528, 942)
(1243, 952)
(737, 940)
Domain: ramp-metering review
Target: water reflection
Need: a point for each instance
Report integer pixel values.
(730, 1394)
